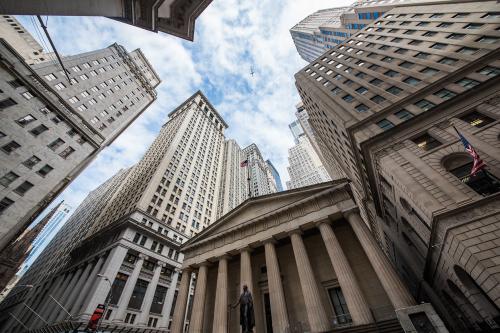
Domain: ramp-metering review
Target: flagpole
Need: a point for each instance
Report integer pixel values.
(248, 180)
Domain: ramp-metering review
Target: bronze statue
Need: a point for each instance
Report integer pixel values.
(247, 318)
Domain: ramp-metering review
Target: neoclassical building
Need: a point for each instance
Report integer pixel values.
(310, 262)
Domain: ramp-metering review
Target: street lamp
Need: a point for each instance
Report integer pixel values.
(106, 302)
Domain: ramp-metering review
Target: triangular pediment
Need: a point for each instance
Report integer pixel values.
(254, 209)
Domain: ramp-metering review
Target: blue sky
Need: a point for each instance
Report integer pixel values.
(231, 36)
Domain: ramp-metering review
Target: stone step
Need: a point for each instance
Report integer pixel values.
(386, 326)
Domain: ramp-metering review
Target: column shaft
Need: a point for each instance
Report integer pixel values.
(180, 306)
(396, 291)
(128, 289)
(75, 308)
(148, 297)
(220, 308)
(54, 307)
(356, 302)
(78, 288)
(167, 304)
(71, 287)
(318, 320)
(276, 294)
(196, 322)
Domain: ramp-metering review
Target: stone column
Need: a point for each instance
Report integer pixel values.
(276, 294)
(71, 287)
(54, 307)
(180, 306)
(48, 301)
(101, 288)
(396, 291)
(75, 308)
(78, 288)
(356, 302)
(246, 277)
(196, 322)
(316, 315)
(221, 294)
(128, 289)
(150, 292)
(169, 298)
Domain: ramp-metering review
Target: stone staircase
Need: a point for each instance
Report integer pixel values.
(385, 326)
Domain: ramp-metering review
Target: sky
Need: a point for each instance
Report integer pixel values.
(231, 36)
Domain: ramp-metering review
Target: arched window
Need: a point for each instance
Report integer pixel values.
(460, 165)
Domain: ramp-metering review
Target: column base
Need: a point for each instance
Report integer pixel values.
(421, 316)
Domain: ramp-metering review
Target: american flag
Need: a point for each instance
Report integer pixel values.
(478, 162)
(244, 163)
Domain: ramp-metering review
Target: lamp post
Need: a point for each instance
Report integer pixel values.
(106, 302)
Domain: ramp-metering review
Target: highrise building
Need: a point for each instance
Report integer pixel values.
(327, 28)
(261, 179)
(52, 129)
(136, 224)
(21, 40)
(234, 178)
(296, 129)
(305, 167)
(54, 224)
(276, 176)
(173, 17)
(388, 104)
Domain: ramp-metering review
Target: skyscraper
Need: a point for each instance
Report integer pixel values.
(296, 129)
(389, 104)
(21, 40)
(276, 176)
(173, 17)
(261, 179)
(52, 129)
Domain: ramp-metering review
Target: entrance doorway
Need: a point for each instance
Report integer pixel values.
(267, 313)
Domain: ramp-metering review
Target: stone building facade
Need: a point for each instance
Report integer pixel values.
(310, 262)
(52, 129)
(388, 104)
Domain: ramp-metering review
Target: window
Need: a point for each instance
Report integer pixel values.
(8, 178)
(138, 294)
(31, 162)
(348, 98)
(437, 15)
(456, 36)
(66, 152)
(445, 25)
(477, 119)
(411, 81)
(56, 144)
(361, 90)
(429, 34)
(448, 61)
(415, 42)
(10, 147)
(74, 99)
(406, 64)
(391, 73)
(92, 101)
(23, 121)
(488, 39)
(494, 15)
(5, 203)
(16, 83)
(23, 188)
(361, 108)
(50, 77)
(117, 288)
(5, 103)
(461, 15)
(336, 91)
(82, 107)
(422, 55)
(467, 50)
(76, 68)
(404, 114)
(45, 170)
(473, 26)
(426, 142)
(339, 305)
(394, 90)
(377, 99)
(422, 24)
(385, 124)
(158, 299)
(445, 94)
(409, 32)
(387, 59)
(401, 51)
(84, 77)
(490, 71)
(39, 130)
(376, 82)
(467, 83)
(424, 104)
(60, 86)
(429, 71)
(438, 46)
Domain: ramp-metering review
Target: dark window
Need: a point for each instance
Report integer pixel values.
(10, 147)
(467, 83)
(117, 288)
(339, 305)
(404, 114)
(66, 152)
(490, 71)
(391, 73)
(394, 90)
(425, 104)
(473, 26)
(348, 98)
(385, 124)
(401, 51)
(429, 71)
(45, 170)
(467, 50)
(376, 82)
(8, 178)
(411, 81)
(445, 94)
(361, 90)
(422, 24)
(138, 294)
(56, 144)
(131, 258)
(494, 15)
(16, 83)
(31, 162)
(422, 55)
(5, 203)
(5, 103)
(456, 36)
(136, 237)
(23, 188)
(415, 42)
(438, 46)
(406, 64)
(158, 299)
(409, 32)
(149, 265)
(426, 142)
(488, 40)
(445, 25)
(377, 99)
(336, 91)
(448, 61)
(477, 119)
(429, 33)
(482, 182)
(361, 108)
(39, 130)
(461, 15)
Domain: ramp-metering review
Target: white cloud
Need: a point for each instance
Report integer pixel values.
(231, 36)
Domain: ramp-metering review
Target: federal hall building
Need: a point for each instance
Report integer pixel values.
(310, 262)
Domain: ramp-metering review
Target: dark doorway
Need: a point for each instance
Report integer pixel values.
(267, 313)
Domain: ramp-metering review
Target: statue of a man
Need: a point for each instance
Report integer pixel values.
(247, 318)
